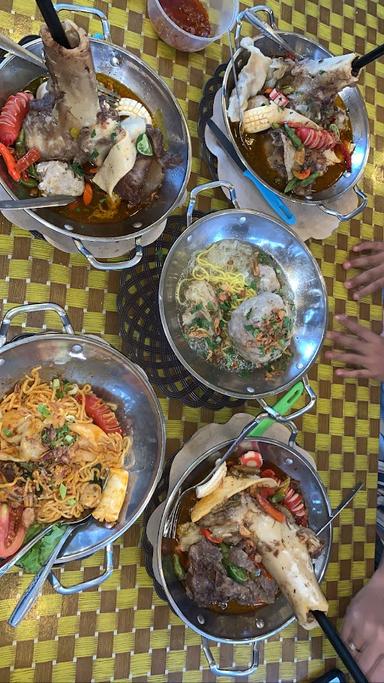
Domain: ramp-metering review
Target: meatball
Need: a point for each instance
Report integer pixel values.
(268, 279)
(261, 327)
(235, 256)
(201, 304)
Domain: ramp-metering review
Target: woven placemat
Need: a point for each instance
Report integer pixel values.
(124, 631)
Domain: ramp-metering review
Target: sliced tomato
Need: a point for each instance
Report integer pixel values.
(207, 533)
(101, 414)
(12, 531)
(269, 509)
(252, 459)
(28, 159)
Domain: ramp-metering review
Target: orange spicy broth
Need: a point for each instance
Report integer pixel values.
(255, 151)
(77, 211)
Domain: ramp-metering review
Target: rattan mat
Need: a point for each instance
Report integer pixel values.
(124, 631)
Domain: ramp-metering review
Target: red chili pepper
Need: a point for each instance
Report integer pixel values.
(252, 459)
(270, 509)
(28, 159)
(10, 162)
(207, 533)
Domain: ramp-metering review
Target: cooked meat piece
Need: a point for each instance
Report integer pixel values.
(241, 559)
(45, 103)
(9, 470)
(130, 187)
(261, 327)
(28, 517)
(51, 138)
(233, 255)
(268, 281)
(156, 137)
(57, 455)
(56, 177)
(73, 77)
(90, 495)
(96, 141)
(320, 78)
(207, 581)
(188, 534)
(201, 304)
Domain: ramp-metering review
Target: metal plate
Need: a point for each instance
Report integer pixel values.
(298, 267)
(350, 96)
(84, 360)
(243, 627)
(125, 67)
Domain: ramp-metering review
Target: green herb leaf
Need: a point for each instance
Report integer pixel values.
(43, 410)
(62, 491)
(77, 169)
(198, 307)
(7, 432)
(93, 156)
(37, 557)
(93, 133)
(248, 315)
(202, 322)
(71, 502)
(143, 145)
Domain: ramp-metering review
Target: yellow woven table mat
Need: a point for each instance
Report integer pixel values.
(123, 631)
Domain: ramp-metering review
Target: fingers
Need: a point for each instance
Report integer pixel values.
(353, 359)
(368, 658)
(364, 261)
(369, 281)
(352, 326)
(369, 246)
(369, 289)
(376, 674)
(343, 372)
(345, 341)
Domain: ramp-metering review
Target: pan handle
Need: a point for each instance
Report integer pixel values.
(32, 308)
(254, 10)
(209, 186)
(347, 216)
(92, 583)
(88, 10)
(297, 413)
(236, 673)
(119, 265)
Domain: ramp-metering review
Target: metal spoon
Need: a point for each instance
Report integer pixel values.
(19, 51)
(340, 507)
(36, 202)
(29, 596)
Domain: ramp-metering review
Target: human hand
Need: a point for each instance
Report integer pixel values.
(363, 628)
(359, 347)
(372, 278)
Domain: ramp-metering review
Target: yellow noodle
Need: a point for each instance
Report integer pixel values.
(55, 487)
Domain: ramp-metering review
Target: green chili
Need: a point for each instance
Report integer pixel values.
(310, 179)
(293, 137)
(31, 182)
(236, 573)
(20, 144)
(179, 571)
(291, 184)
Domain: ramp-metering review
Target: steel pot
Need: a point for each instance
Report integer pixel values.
(299, 268)
(248, 627)
(350, 96)
(110, 239)
(81, 359)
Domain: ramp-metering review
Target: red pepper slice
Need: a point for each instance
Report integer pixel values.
(269, 509)
(101, 414)
(28, 159)
(10, 162)
(207, 533)
(269, 474)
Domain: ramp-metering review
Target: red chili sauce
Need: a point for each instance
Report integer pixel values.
(190, 15)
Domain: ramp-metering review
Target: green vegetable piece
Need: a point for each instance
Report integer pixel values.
(56, 383)
(335, 130)
(20, 144)
(31, 182)
(236, 573)
(7, 432)
(179, 571)
(43, 410)
(292, 136)
(143, 145)
(68, 439)
(310, 179)
(291, 184)
(71, 502)
(62, 491)
(248, 315)
(38, 555)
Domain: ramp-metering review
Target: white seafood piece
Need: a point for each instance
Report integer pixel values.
(56, 177)
(258, 101)
(212, 483)
(331, 74)
(289, 155)
(129, 107)
(277, 69)
(134, 126)
(113, 496)
(121, 159)
(42, 90)
(250, 80)
(261, 118)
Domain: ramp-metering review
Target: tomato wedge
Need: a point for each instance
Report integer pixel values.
(12, 531)
(270, 509)
(207, 533)
(101, 414)
(252, 459)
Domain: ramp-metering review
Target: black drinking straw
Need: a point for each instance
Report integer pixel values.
(359, 62)
(340, 647)
(53, 22)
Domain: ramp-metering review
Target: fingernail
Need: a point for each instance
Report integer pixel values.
(348, 284)
(347, 265)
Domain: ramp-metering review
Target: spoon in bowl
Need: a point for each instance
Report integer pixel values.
(19, 51)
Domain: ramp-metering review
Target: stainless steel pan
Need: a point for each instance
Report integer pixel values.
(83, 359)
(351, 97)
(110, 239)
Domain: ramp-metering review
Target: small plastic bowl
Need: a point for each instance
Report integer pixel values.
(222, 15)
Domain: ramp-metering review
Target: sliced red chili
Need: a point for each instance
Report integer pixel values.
(207, 533)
